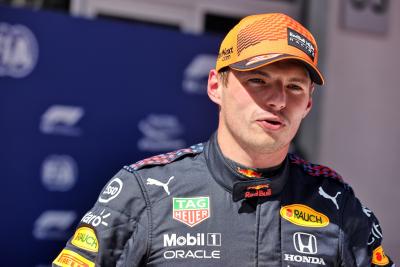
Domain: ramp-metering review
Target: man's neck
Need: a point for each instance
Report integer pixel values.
(252, 159)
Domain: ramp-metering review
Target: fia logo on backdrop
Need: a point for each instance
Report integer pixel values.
(19, 50)
(59, 173)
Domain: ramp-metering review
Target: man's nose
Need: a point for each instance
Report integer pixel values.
(276, 97)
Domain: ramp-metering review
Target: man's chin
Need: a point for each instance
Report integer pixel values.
(265, 145)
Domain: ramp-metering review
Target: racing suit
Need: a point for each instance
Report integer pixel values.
(193, 207)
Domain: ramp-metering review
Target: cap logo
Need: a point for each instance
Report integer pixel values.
(261, 58)
(299, 41)
(225, 54)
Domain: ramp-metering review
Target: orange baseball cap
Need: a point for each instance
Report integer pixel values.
(259, 40)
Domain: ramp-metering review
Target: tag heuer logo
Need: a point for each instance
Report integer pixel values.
(191, 210)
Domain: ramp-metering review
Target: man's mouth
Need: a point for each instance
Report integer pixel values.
(270, 124)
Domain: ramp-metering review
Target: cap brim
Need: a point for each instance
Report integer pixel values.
(247, 64)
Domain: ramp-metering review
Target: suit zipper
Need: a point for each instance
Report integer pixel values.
(258, 217)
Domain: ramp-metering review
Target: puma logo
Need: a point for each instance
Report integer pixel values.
(151, 181)
(325, 195)
(366, 211)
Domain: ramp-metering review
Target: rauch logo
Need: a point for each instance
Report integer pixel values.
(304, 216)
(191, 210)
(85, 238)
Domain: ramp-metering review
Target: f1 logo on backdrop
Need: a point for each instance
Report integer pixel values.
(196, 74)
(54, 225)
(305, 243)
(62, 120)
(161, 132)
(18, 50)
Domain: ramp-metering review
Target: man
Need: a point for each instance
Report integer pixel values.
(239, 199)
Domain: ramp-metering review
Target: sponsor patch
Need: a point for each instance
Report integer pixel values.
(304, 259)
(225, 54)
(85, 238)
(151, 181)
(191, 210)
(379, 257)
(261, 58)
(299, 41)
(261, 190)
(112, 190)
(304, 216)
(196, 246)
(305, 243)
(376, 233)
(96, 219)
(322, 192)
(249, 173)
(68, 258)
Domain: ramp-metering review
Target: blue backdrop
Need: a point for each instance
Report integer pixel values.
(78, 100)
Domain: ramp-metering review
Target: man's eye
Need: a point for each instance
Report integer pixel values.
(294, 87)
(256, 81)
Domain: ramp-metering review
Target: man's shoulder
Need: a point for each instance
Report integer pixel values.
(166, 158)
(315, 170)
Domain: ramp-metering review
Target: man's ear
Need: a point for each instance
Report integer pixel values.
(214, 87)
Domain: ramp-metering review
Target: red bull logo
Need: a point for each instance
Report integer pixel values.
(249, 173)
(258, 187)
(261, 190)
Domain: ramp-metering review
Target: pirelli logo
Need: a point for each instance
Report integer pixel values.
(68, 258)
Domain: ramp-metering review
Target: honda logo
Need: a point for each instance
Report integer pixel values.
(305, 243)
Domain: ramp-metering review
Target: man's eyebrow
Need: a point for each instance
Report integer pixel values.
(300, 80)
(250, 72)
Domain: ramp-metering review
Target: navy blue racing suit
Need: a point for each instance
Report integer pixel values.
(194, 207)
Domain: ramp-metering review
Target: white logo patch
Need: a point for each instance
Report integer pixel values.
(305, 243)
(376, 233)
(325, 195)
(112, 190)
(151, 181)
(196, 246)
(366, 211)
(95, 220)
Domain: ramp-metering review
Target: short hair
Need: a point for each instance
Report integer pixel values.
(223, 75)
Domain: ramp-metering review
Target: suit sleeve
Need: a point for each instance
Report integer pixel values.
(361, 236)
(115, 231)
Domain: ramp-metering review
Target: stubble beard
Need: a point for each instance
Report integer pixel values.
(254, 140)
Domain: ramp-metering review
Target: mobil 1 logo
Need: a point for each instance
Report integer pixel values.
(192, 246)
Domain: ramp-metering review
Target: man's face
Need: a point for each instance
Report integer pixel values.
(261, 110)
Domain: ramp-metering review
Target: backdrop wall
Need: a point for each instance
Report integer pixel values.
(78, 100)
